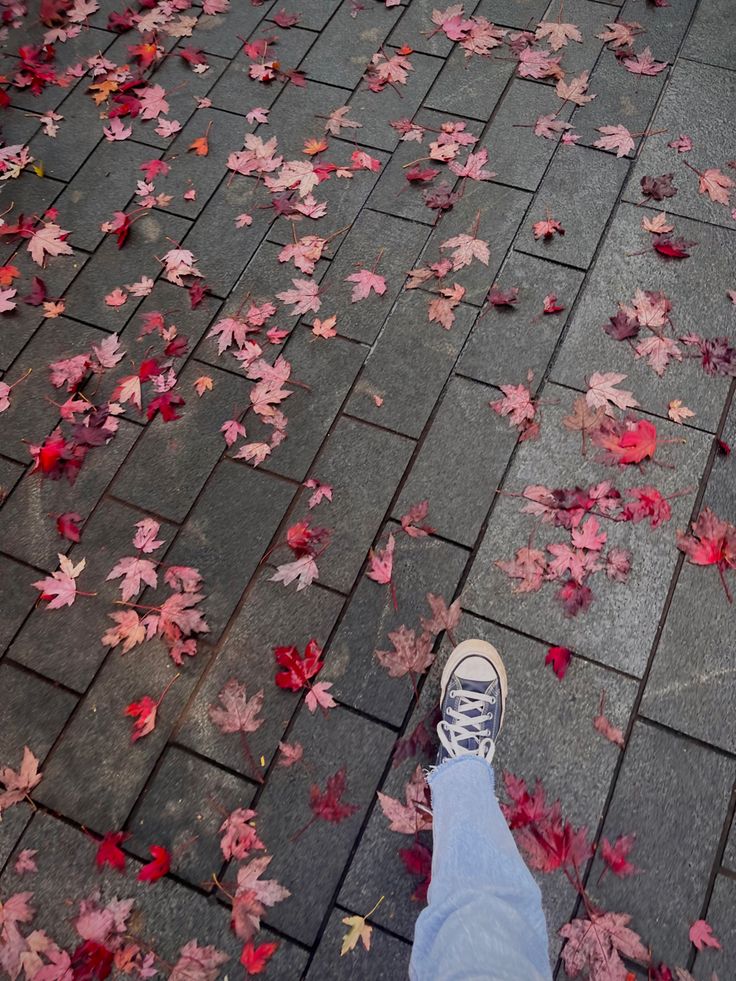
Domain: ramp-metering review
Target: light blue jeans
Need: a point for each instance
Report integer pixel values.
(484, 921)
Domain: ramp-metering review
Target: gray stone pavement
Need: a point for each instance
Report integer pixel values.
(391, 411)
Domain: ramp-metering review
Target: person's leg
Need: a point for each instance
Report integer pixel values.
(484, 921)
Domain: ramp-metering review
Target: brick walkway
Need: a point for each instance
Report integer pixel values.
(661, 647)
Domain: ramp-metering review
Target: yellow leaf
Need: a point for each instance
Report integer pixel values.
(38, 169)
(359, 930)
(679, 412)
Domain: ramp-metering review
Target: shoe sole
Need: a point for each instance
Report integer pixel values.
(484, 649)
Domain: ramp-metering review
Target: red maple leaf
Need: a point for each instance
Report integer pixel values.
(158, 867)
(109, 851)
(91, 962)
(559, 658)
(418, 862)
(616, 856)
(298, 668)
(711, 542)
(254, 959)
(327, 804)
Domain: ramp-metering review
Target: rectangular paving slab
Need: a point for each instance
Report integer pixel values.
(227, 532)
(498, 212)
(619, 272)
(579, 190)
(270, 617)
(722, 919)
(621, 98)
(394, 194)
(392, 245)
(472, 85)
(555, 460)
(101, 186)
(182, 808)
(668, 767)
(342, 198)
(65, 645)
(39, 542)
(421, 566)
(363, 465)
(465, 438)
(20, 324)
(712, 34)
(343, 739)
(506, 343)
(191, 445)
(297, 116)
(112, 268)
(693, 679)
(387, 959)
(375, 109)
(221, 248)
(34, 713)
(409, 343)
(325, 370)
(218, 33)
(31, 416)
(681, 111)
(517, 156)
(346, 45)
(97, 741)
(665, 26)
(19, 598)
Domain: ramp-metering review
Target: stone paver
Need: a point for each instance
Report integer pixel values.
(408, 343)
(345, 46)
(602, 632)
(72, 652)
(387, 959)
(615, 278)
(393, 245)
(189, 449)
(347, 741)
(465, 437)
(421, 566)
(721, 918)
(579, 190)
(112, 268)
(182, 808)
(498, 211)
(711, 35)
(389, 413)
(270, 617)
(668, 767)
(508, 342)
(35, 712)
(347, 464)
(680, 110)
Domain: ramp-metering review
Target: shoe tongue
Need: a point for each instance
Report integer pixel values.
(478, 687)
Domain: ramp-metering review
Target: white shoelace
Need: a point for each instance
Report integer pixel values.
(466, 728)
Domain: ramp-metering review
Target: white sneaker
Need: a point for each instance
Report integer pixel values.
(472, 701)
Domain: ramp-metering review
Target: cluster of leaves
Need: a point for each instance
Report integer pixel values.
(572, 563)
(712, 541)
(646, 326)
(177, 620)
